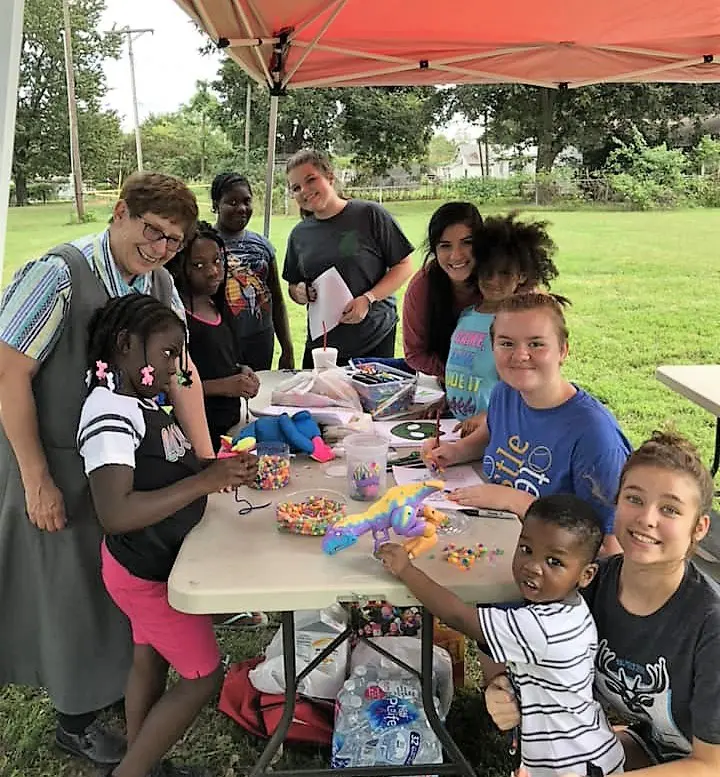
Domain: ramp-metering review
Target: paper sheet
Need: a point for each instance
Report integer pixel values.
(333, 416)
(412, 434)
(460, 476)
(332, 297)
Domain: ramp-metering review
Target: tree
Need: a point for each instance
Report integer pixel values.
(588, 118)
(306, 117)
(101, 143)
(185, 144)
(389, 125)
(42, 134)
(441, 151)
(707, 155)
(379, 126)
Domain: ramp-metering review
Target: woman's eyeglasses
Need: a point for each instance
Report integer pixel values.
(153, 234)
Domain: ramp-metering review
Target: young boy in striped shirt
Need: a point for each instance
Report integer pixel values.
(549, 643)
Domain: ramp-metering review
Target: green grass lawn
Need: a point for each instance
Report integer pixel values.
(644, 288)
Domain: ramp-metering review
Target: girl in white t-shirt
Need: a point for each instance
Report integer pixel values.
(149, 490)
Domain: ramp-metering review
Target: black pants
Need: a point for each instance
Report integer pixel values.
(385, 349)
(257, 350)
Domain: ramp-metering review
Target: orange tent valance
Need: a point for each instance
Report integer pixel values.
(303, 43)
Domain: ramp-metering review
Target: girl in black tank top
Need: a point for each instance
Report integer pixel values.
(200, 272)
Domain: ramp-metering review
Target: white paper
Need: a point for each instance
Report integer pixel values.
(334, 416)
(332, 297)
(412, 433)
(424, 395)
(459, 476)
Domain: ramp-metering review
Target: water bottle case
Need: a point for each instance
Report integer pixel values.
(379, 720)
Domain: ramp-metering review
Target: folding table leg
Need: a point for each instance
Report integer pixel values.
(459, 764)
(426, 669)
(716, 456)
(291, 684)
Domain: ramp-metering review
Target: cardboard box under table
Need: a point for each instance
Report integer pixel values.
(231, 563)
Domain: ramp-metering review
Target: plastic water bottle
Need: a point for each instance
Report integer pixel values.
(379, 720)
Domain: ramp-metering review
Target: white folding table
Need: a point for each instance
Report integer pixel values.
(231, 563)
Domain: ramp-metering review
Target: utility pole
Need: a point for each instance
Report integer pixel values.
(72, 114)
(248, 107)
(138, 139)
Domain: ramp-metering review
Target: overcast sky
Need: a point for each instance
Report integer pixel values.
(167, 63)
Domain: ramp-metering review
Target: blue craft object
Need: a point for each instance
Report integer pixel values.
(300, 432)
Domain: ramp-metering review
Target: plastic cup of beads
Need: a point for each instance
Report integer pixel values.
(324, 358)
(366, 456)
(273, 466)
(310, 512)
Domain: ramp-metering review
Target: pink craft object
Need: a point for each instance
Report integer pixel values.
(322, 452)
(147, 375)
(101, 371)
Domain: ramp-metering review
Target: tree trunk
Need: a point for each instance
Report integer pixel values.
(546, 148)
(20, 187)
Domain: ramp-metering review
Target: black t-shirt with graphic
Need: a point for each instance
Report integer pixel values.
(362, 242)
(247, 293)
(121, 430)
(660, 672)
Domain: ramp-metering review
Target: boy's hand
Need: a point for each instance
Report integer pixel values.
(394, 558)
(234, 471)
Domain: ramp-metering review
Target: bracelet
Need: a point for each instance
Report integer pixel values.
(370, 297)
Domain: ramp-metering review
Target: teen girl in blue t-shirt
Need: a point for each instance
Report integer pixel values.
(541, 434)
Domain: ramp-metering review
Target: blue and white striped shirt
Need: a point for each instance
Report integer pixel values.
(36, 302)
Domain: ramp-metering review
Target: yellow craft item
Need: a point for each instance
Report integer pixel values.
(246, 444)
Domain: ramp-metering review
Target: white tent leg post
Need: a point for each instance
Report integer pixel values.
(269, 173)
(10, 45)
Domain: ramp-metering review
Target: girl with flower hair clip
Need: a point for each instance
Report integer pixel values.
(149, 490)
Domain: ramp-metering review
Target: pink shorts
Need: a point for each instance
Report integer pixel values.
(186, 642)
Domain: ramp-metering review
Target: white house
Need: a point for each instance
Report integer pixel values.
(504, 161)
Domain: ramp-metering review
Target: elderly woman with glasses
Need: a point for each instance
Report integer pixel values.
(58, 627)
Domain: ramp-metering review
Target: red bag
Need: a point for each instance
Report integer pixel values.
(260, 713)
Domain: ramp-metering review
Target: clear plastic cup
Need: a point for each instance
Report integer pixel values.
(324, 358)
(366, 456)
(273, 466)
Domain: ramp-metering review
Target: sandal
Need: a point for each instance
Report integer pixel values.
(244, 620)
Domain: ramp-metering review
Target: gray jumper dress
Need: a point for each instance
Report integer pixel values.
(59, 629)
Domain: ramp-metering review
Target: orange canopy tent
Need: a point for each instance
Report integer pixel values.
(301, 43)
(291, 44)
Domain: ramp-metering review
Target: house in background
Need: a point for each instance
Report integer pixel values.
(505, 161)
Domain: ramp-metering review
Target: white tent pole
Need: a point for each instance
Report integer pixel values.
(10, 45)
(269, 173)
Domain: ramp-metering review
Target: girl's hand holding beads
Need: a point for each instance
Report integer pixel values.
(234, 471)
